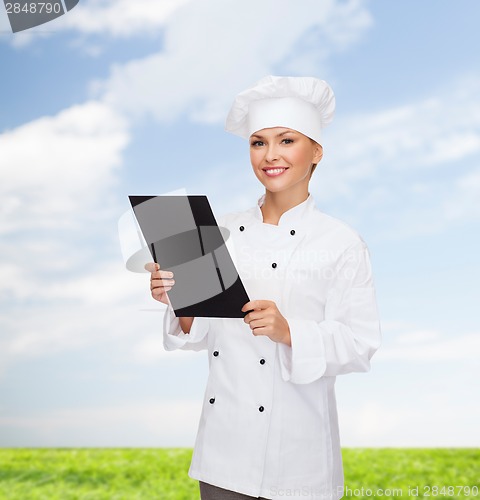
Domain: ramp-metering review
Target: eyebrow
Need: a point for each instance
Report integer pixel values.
(278, 135)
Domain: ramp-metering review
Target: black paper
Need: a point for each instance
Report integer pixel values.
(183, 237)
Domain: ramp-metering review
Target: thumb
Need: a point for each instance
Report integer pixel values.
(151, 267)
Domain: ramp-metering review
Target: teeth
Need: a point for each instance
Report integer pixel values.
(275, 170)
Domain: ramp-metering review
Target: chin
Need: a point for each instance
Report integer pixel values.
(276, 189)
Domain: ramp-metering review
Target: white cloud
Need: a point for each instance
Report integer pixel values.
(111, 18)
(419, 393)
(120, 18)
(430, 346)
(214, 48)
(107, 285)
(56, 179)
(464, 201)
(426, 133)
(149, 349)
(417, 337)
(383, 163)
(55, 169)
(133, 327)
(146, 424)
(67, 312)
(4, 24)
(221, 29)
(410, 423)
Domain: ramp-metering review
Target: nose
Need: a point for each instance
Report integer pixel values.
(272, 154)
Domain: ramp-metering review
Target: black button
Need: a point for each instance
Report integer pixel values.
(212, 400)
(262, 361)
(215, 353)
(274, 265)
(292, 232)
(241, 228)
(261, 408)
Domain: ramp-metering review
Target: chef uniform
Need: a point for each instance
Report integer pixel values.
(268, 426)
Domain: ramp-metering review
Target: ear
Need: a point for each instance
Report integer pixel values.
(317, 152)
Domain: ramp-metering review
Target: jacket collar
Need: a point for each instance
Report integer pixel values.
(293, 215)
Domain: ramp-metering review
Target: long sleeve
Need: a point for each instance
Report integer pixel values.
(175, 338)
(350, 333)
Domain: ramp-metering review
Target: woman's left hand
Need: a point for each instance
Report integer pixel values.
(266, 319)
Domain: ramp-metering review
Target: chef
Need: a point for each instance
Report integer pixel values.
(268, 427)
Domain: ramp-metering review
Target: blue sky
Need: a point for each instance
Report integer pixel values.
(119, 98)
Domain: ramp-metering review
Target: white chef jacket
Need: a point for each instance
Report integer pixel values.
(269, 421)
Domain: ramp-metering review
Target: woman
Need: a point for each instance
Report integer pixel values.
(269, 423)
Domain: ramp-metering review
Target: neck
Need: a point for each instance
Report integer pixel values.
(277, 203)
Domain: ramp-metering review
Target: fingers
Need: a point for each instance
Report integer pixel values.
(258, 304)
(158, 293)
(257, 319)
(256, 323)
(259, 327)
(259, 314)
(161, 275)
(158, 289)
(157, 274)
(160, 281)
(152, 267)
(261, 330)
(253, 315)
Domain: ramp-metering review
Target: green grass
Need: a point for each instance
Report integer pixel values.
(409, 469)
(134, 474)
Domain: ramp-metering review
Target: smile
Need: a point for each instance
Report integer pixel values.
(274, 172)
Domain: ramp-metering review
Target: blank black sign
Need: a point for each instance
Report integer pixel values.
(183, 237)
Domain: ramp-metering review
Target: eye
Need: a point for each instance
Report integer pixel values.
(287, 141)
(256, 143)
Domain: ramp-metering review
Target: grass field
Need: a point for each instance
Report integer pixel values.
(161, 474)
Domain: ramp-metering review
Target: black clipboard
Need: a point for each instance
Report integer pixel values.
(183, 237)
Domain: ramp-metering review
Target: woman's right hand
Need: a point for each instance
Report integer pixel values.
(160, 282)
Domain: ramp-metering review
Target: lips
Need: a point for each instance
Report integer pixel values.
(274, 171)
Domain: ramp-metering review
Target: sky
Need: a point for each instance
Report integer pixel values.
(117, 98)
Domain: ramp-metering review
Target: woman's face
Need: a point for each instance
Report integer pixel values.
(282, 158)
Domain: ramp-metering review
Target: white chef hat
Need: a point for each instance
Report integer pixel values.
(304, 104)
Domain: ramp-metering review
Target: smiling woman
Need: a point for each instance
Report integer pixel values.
(269, 420)
(285, 155)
